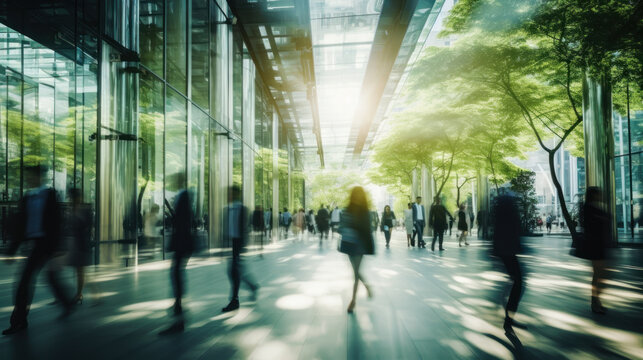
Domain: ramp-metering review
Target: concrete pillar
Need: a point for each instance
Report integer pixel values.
(599, 141)
(275, 176)
(427, 195)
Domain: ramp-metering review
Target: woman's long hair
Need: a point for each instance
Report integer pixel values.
(358, 202)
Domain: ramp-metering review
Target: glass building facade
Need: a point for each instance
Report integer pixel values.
(132, 101)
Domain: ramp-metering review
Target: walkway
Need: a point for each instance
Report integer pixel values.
(440, 306)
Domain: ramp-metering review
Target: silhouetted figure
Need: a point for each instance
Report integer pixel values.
(286, 220)
(334, 219)
(258, 223)
(506, 244)
(388, 217)
(548, 222)
(310, 221)
(482, 227)
(323, 223)
(236, 230)
(438, 221)
(357, 237)
(408, 225)
(267, 217)
(594, 246)
(299, 222)
(182, 243)
(38, 220)
(463, 225)
(80, 250)
(419, 221)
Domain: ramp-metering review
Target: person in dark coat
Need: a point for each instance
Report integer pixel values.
(355, 224)
(419, 221)
(182, 243)
(386, 226)
(438, 221)
(80, 251)
(38, 221)
(323, 223)
(506, 245)
(236, 230)
(597, 233)
(463, 225)
(258, 223)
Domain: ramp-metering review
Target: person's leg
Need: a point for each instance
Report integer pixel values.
(25, 290)
(356, 261)
(235, 278)
(466, 233)
(598, 267)
(387, 237)
(460, 239)
(441, 239)
(176, 270)
(435, 238)
(80, 283)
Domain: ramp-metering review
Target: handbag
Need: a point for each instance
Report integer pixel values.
(385, 228)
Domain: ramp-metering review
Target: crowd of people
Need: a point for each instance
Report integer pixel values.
(39, 221)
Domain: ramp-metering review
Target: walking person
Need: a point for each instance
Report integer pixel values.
(236, 230)
(323, 219)
(463, 225)
(300, 223)
(408, 224)
(267, 218)
(310, 222)
(506, 245)
(38, 221)
(286, 219)
(548, 222)
(388, 217)
(418, 221)
(357, 238)
(334, 220)
(259, 224)
(438, 221)
(182, 243)
(80, 251)
(597, 233)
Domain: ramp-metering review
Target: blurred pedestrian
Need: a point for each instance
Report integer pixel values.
(258, 224)
(38, 221)
(597, 234)
(334, 220)
(408, 224)
(438, 221)
(80, 250)
(356, 237)
(388, 217)
(463, 225)
(548, 222)
(300, 223)
(323, 223)
(506, 245)
(419, 221)
(286, 220)
(182, 243)
(236, 230)
(310, 221)
(267, 218)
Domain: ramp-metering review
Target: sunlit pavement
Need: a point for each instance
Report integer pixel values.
(426, 305)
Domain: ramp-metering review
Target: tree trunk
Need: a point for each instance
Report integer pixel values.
(561, 196)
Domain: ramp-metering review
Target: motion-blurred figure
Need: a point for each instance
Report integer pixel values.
(438, 221)
(310, 221)
(408, 225)
(334, 219)
(299, 222)
(597, 233)
(236, 230)
(506, 244)
(357, 237)
(258, 224)
(388, 217)
(151, 226)
(38, 220)
(182, 243)
(286, 220)
(267, 218)
(463, 225)
(80, 251)
(323, 218)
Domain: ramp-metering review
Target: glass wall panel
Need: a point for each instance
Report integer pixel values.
(237, 83)
(175, 152)
(200, 65)
(65, 126)
(177, 44)
(151, 154)
(283, 168)
(220, 65)
(151, 34)
(198, 175)
(237, 162)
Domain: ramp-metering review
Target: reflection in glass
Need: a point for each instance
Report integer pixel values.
(200, 65)
(175, 152)
(198, 175)
(151, 34)
(177, 44)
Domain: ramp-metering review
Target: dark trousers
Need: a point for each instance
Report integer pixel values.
(387, 236)
(515, 273)
(25, 290)
(177, 276)
(236, 274)
(438, 234)
(418, 227)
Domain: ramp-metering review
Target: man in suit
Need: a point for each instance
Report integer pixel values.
(182, 243)
(418, 222)
(438, 221)
(236, 230)
(38, 220)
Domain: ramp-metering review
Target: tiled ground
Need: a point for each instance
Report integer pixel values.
(439, 306)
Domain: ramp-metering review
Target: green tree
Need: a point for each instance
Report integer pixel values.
(523, 186)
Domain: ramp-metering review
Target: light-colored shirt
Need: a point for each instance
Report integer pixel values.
(35, 208)
(335, 216)
(418, 209)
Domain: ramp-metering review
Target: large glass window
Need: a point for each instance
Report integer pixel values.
(200, 65)
(198, 171)
(150, 178)
(177, 44)
(175, 151)
(151, 34)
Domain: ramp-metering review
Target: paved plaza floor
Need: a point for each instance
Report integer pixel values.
(442, 305)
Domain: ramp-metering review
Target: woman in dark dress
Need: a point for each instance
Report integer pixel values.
(387, 223)
(356, 234)
(596, 221)
(463, 225)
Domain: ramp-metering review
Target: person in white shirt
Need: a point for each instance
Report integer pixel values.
(334, 219)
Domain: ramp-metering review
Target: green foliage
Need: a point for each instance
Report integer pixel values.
(332, 187)
(523, 186)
